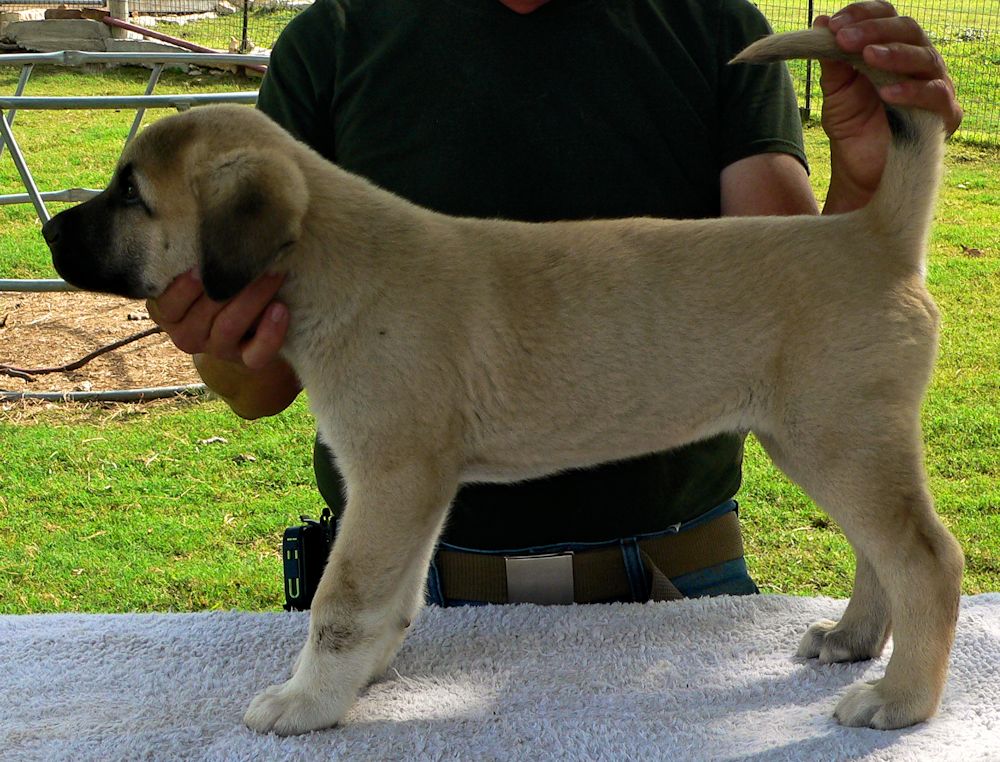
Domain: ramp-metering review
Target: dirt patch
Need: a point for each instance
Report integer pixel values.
(53, 329)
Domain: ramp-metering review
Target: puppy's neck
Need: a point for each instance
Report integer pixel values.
(348, 253)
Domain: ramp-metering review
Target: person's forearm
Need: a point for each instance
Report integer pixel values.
(250, 393)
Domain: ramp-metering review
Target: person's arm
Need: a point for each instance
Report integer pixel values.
(766, 184)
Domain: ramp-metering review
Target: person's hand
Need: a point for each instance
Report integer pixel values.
(853, 116)
(248, 329)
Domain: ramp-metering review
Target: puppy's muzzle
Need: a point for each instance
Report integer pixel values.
(81, 243)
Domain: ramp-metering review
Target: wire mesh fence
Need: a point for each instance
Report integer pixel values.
(255, 23)
(237, 26)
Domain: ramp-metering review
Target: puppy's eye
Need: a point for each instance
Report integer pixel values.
(130, 194)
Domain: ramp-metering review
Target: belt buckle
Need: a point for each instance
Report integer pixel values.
(545, 579)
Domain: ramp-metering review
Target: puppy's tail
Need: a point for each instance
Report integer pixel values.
(904, 201)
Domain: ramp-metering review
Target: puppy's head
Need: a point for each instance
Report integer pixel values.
(215, 187)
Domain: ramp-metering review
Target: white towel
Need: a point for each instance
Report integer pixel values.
(709, 679)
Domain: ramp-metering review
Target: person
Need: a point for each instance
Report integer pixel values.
(542, 110)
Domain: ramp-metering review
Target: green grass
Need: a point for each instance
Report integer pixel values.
(133, 508)
(124, 508)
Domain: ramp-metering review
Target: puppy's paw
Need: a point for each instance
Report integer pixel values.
(317, 696)
(831, 644)
(812, 642)
(864, 705)
(287, 711)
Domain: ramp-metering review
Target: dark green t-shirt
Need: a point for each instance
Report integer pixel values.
(582, 109)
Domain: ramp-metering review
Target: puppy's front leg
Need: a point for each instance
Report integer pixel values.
(368, 595)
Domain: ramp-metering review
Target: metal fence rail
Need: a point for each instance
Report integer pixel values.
(180, 102)
(18, 101)
(34, 285)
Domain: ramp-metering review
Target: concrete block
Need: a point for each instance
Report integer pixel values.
(12, 17)
(58, 34)
(142, 46)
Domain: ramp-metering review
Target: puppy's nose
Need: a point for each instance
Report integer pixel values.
(50, 231)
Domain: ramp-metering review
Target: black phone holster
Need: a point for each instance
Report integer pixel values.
(304, 550)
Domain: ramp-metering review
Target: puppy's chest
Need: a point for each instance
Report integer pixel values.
(307, 344)
(327, 355)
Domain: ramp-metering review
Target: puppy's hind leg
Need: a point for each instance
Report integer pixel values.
(864, 628)
(866, 470)
(368, 595)
(862, 631)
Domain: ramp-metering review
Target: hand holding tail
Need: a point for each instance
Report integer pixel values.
(852, 111)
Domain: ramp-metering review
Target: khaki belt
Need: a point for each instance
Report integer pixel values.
(593, 575)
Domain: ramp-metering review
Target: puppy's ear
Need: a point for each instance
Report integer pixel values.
(252, 202)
